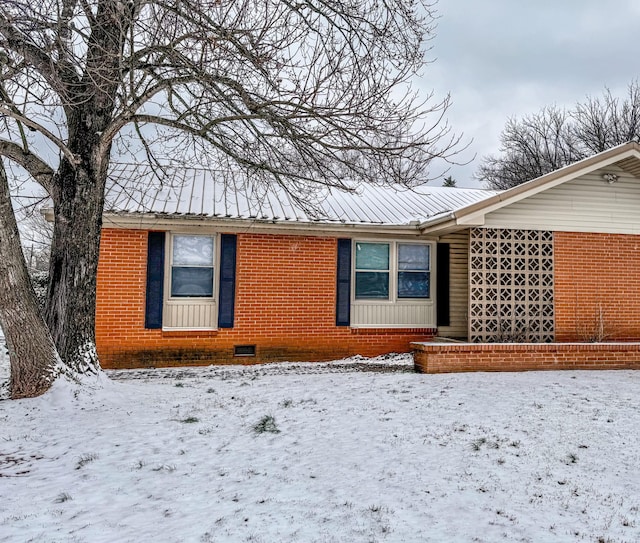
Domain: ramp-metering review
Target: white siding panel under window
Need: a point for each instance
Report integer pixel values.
(458, 285)
(386, 315)
(585, 204)
(189, 314)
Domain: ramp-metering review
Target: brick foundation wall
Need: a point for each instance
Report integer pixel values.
(285, 305)
(444, 358)
(597, 287)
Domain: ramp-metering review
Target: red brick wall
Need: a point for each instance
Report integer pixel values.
(285, 305)
(596, 286)
(439, 358)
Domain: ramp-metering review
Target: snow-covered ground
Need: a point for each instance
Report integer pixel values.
(325, 453)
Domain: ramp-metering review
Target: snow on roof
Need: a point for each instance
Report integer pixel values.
(201, 192)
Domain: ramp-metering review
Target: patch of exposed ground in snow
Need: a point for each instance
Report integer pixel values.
(389, 363)
(275, 453)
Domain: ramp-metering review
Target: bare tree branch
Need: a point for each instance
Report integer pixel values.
(9, 112)
(541, 143)
(37, 168)
(127, 115)
(60, 75)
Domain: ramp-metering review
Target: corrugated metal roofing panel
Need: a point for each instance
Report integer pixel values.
(193, 191)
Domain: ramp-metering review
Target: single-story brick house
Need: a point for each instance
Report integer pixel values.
(200, 275)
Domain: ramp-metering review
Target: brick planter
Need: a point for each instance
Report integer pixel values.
(434, 357)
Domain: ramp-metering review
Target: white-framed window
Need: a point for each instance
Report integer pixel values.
(392, 271)
(414, 270)
(192, 266)
(372, 271)
(191, 282)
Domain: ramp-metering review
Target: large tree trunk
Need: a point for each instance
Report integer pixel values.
(78, 192)
(32, 353)
(71, 300)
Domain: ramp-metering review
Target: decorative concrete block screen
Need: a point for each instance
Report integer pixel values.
(511, 286)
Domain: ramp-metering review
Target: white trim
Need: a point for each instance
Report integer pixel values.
(151, 221)
(394, 304)
(174, 302)
(214, 237)
(393, 326)
(174, 329)
(389, 271)
(393, 271)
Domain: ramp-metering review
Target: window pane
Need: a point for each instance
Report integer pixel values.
(413, 257)
(372, 256)
(372, 285)
(191, 282)
(192, 251)
(413, 284)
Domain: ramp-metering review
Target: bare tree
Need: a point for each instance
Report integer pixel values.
(538, 144)
(606, 121)
(305, 94)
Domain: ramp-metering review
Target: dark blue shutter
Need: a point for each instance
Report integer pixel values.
(227, 296)
(343, 297)
(155, 280)
(443, 259)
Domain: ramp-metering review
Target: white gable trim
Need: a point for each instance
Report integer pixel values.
(474, 215)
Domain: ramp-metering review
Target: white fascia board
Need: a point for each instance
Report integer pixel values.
(439, 226)
(155, 221)
(451, 223)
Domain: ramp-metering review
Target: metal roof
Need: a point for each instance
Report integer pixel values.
(200, 192)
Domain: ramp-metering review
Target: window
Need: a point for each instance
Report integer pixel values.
(392, 271)
(372, 271)
(413, 270)
(192, 266)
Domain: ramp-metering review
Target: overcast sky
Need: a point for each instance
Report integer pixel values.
(504, 58)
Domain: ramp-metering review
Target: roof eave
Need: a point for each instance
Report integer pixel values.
(158, 220)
